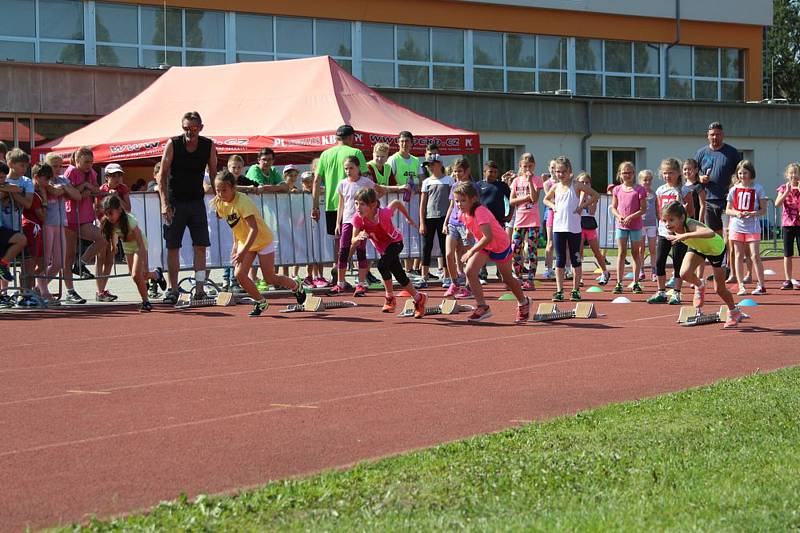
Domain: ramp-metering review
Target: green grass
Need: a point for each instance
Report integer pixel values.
(723, 457)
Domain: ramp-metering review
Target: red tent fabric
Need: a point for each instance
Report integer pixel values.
(291, 106)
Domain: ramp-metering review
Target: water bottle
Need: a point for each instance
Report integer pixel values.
(409, 190)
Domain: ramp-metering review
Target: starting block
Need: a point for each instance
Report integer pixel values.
(222, 299)
(549, 312)
(314, 304)
(447, 307)
(691, 316)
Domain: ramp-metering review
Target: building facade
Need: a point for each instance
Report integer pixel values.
(66, 62)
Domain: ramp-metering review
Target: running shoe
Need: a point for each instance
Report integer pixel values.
(170, 297)
(145, 307)
(670, 283)
(6, 302)
(371, 279)
(258, 308)
(321, 283)
(308, 281)
(699, 296)
(558, 296)
(654, 278)
(463, 293)
(420, 284)
(389, 304)
(675, 299)
(759, 291)
(483, 274)
(742, 290)
(549, 274)
(637, 289)
(523, 312)
(299, 292)
(5, 272)
(461, 280)
(451, 291)
(105, 296)
(446, 283)
(617, 288)
(568, 274)
(796, 284)
(479, 314)
(734, 317)
(261, 285)
(74, 298)
(658, 298)
(575, 295)
(337, 290)
(641, 276)
(26, 301)
(199, 295)
(787, 285)
(360, 291)
(82, 271)
(604, 278)
(419, 305)
(528, 285)
(748, 279)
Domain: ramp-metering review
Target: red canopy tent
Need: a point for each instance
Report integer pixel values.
(292, 106)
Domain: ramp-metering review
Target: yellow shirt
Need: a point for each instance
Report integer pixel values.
(235, 213)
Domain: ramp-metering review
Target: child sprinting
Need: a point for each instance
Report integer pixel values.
(703, 244)
(119, 224)
(747, 202)
(492, 243)
(525, 190)
(589, 233)
(457, 236)
(346, 190)
(628, 204)
(672, 191)
(251, 238)
(789, 198)
(567, 199)
(649, 224)
(373, 222)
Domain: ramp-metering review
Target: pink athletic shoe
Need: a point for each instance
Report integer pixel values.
(462, 293)
(451, 291)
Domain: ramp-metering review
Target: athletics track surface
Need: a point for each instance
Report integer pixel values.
(104, 411)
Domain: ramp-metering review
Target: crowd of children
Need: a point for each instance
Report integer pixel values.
(494, 220)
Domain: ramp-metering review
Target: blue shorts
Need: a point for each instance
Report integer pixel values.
(635, 235)
(499, 257)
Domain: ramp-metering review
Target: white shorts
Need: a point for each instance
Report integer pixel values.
(651, 232)
(268, 249)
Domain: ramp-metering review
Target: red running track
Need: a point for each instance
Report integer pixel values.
(102, 418)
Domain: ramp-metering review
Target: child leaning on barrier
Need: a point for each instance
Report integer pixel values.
(118, 224)
(12, 242)
(58, 189)
(32, 225)
(251, 238)
(789, 198)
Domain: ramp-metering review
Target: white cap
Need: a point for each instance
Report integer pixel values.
(287, 168)
(113, 168)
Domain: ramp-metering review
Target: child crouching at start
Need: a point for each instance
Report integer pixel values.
(117, 224)
(373, 222)
(493, 244)
(251, 237)
(703, 244)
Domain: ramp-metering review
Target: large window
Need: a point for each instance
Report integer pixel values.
(604, 164)
(26, 132)
(382, 55)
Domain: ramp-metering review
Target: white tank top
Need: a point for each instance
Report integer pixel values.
(567, 202)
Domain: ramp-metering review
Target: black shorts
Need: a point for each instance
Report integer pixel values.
(791, 235)
(5, 239)
(330, 222)
(191, 214)
(714, 214)
(716, 261)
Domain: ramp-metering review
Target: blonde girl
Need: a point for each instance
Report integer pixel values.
(649, 223)
(628, 204)
(789, 198)
(747, 202)
(457, 236)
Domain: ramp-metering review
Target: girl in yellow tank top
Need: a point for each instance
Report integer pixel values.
(704, 245)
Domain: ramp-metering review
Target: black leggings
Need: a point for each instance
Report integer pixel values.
(791, 235)
(663, 247)
(389, 264)
(433, 230)
(563, 240)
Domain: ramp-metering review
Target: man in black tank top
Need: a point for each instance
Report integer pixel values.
(180, 184)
